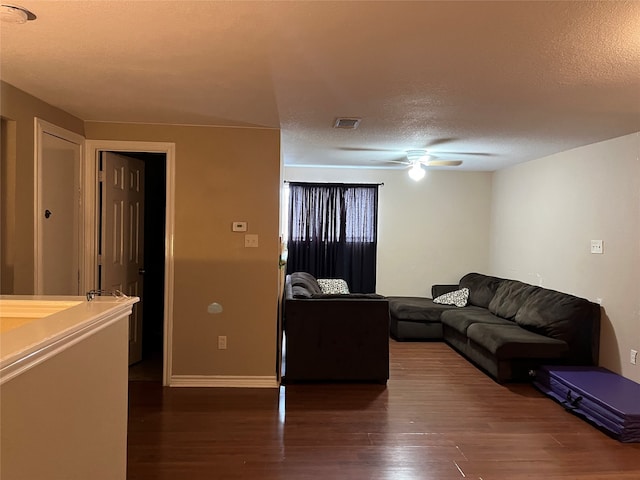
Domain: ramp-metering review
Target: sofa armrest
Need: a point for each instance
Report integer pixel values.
(441, 289)
(337, 296)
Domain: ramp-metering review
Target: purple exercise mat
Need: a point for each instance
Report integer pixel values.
(607, 399)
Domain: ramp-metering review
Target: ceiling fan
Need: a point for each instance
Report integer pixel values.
(416, 159)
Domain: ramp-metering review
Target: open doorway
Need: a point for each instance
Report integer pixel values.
(159, 157)
(147, 364)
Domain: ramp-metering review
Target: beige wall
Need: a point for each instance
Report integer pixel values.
(431, 231)
(546, 212)
(222, 175)
(16, 229)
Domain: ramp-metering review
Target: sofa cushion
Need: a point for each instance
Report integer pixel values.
(512, 341)
(457, 297)
(481, 287)
(554, 314)
(509, 297)
(416, 309)
(460, 319)
(333, 285)
(304, 285)
(298, 291)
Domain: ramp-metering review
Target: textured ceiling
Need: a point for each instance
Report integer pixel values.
(489, 83)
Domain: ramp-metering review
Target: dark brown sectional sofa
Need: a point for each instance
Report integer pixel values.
(508, 327)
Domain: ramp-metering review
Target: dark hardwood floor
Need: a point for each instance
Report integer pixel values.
(438, 418)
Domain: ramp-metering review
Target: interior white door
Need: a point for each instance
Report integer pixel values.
(59, 216)
(122, 243)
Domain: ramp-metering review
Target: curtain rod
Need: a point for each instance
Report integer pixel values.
(334, 183)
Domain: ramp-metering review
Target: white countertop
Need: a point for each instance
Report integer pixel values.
(34, 328)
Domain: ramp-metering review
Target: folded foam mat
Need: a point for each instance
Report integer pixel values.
(607, 400)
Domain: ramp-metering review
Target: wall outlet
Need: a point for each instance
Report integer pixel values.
(634, 357)
(597, 246)
(222, 342)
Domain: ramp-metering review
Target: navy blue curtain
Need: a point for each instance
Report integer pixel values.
(333, 232)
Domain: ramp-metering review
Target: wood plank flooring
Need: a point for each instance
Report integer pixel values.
(438, 418)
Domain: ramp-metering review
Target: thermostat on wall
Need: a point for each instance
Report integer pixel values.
(239, 226)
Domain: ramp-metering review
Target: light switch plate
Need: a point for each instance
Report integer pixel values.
(239, 226)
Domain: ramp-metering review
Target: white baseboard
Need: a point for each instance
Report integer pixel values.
(223, 381)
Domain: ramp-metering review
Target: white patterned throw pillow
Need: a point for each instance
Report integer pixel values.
(458, 298)
(333, 286)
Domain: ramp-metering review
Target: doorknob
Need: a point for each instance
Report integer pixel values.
(141, 271)
(47, 213)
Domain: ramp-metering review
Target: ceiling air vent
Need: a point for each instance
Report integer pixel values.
(350, 123)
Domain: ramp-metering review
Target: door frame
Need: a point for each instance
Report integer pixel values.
(42, 127)
(93, 148)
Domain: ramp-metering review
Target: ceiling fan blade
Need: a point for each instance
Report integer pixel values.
(440, 141)
(389, 163)
(443, 163)
(400, 161)
(475, 154)
(365, 149)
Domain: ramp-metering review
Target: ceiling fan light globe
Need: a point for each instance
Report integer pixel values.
(416, 172)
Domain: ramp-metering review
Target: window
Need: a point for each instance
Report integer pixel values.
(333, 232)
